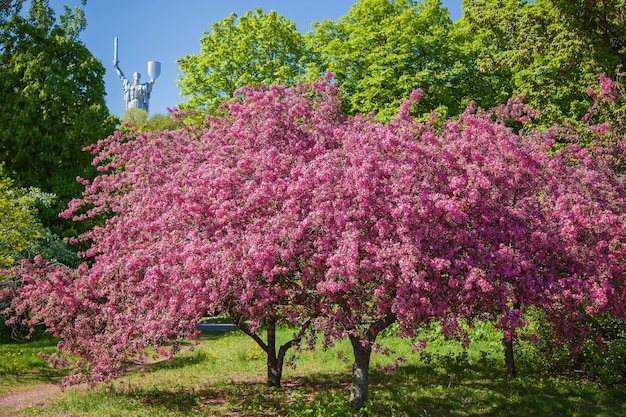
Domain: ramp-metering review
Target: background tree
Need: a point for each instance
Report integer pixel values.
(18, 223)
(139, 119)
(553, 50)
(160, 121)
(135, 117)
(256, 48)
(379, 51)
(52, 104)
(8, 7)
(383, 49)
(600, 23)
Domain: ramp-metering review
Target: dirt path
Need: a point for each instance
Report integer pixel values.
(32, 397)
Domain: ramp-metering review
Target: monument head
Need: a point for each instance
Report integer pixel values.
(136, 77)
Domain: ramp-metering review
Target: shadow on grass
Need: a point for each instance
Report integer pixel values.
(22, 364)
(411, 391)
(423, 391)
(434, 384)
(236, 399)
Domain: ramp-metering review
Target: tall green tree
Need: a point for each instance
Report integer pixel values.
(383, 49)
(7, 7)
(554, 50)
(52, 104)
(256, 48)
(135, 117)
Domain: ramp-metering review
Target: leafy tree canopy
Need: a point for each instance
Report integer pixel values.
(21, 233)
(52, 104)
(553, 50)
(256, 48)
(7, 7)
(383, 49)
(18, 223)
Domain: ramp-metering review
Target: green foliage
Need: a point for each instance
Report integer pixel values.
(550, 51)
(138, 119)
(52, 104)
(53, 249)
(21, 233)
(603, 361)
(553, 50)
(381, 50)
(19, 226)
(160, 121)
(7, 7)
(23, 236)
(135, 117)
(256, 48)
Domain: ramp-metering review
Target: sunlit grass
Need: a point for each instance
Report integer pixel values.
(20, 362)
(225, 376)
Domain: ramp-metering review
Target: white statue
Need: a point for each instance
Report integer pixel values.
(136, 94)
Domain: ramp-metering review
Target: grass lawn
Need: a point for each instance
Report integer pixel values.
(20, 364)
(225, 374)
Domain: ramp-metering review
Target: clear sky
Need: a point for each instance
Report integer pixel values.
(165, 30)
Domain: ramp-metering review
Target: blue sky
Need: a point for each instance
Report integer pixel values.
(165, 30)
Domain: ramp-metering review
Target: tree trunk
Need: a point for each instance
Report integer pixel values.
(509, 359)
(275, 360)
(274, 363)
(360, 373)
(361, 367)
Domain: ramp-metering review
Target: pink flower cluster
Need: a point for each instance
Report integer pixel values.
(285, 208)
(607, 93)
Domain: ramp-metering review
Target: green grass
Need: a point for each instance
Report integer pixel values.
(225, 374)
(20, 363)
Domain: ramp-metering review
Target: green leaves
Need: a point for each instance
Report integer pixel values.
(19, 227)
(21, 233)
(52, 104)
(549, 51)
(553, 50)
(256, 48)
(138, 119)
(381, 50)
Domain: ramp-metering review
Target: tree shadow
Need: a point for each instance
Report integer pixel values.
(426, 391)
(439, 385)
(411, 391)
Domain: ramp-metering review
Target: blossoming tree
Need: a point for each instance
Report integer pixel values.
(284, 211)
(196, 221)
(475, 220)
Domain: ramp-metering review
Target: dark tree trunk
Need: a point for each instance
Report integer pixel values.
(274, 363)
(275, 360)
(362, 349)
(509, 358)
(360, 373)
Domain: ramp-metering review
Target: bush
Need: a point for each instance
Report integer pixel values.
(603, 360)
